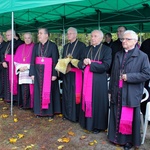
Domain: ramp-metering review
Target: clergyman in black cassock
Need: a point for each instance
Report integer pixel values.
(6, 62)
(74, 49)
(2, 44)
(45, 50)
(94, 110)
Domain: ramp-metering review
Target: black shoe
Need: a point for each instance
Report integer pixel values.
(127, 146)
(96, 131)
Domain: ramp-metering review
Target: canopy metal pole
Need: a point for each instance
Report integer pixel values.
(63, 34)
(98, 15)
(63, 38)
(12, 61)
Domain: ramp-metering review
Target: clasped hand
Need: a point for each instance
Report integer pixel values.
(87, 61)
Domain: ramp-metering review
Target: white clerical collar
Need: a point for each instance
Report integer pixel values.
(126, 50)
(96, 45)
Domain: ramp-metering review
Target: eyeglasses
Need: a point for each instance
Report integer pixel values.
(127, 39)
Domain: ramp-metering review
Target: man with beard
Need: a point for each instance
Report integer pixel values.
(42, 71)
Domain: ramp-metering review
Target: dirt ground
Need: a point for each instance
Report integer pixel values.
(23, 131)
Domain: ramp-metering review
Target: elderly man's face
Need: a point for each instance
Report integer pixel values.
(27, 38)
(71, 35)
(120, 32)
(128, 42)
(8, 35)
(96, 38)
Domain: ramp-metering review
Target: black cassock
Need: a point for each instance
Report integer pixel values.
(100, 103)
(7, 50)
(70, 109)
(49, 50)
(1, 72)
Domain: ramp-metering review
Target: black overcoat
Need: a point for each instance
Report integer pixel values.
(137, 68)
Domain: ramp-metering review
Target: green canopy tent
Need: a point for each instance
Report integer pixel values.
(12, 6)
(85, 15)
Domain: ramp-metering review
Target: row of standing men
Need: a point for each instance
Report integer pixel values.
(84, 101)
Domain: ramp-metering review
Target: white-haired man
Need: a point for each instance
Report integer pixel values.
(72, 80)
(130, 70)
(6, 63)
(94, 112)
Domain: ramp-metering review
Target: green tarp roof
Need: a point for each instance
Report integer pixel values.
(15, 5)
(85, 15)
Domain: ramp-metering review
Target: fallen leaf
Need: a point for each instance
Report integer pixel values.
(20, 136)
(82, 137)
(5, 108)
(71, 133)
(64, 140)
(91, 143)
(60, 115)
(4, 116)
(15, 120)
(50, 120)
(29, 147)
(60, 147)
(13, 140)
(59, 140)
(86, 131)
(95, 141)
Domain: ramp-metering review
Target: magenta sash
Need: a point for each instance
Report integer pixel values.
(78, 83)
(47, 62)
(125, 126)
(31, 87)
(15, 81)
(87, 90)
(120, 83)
